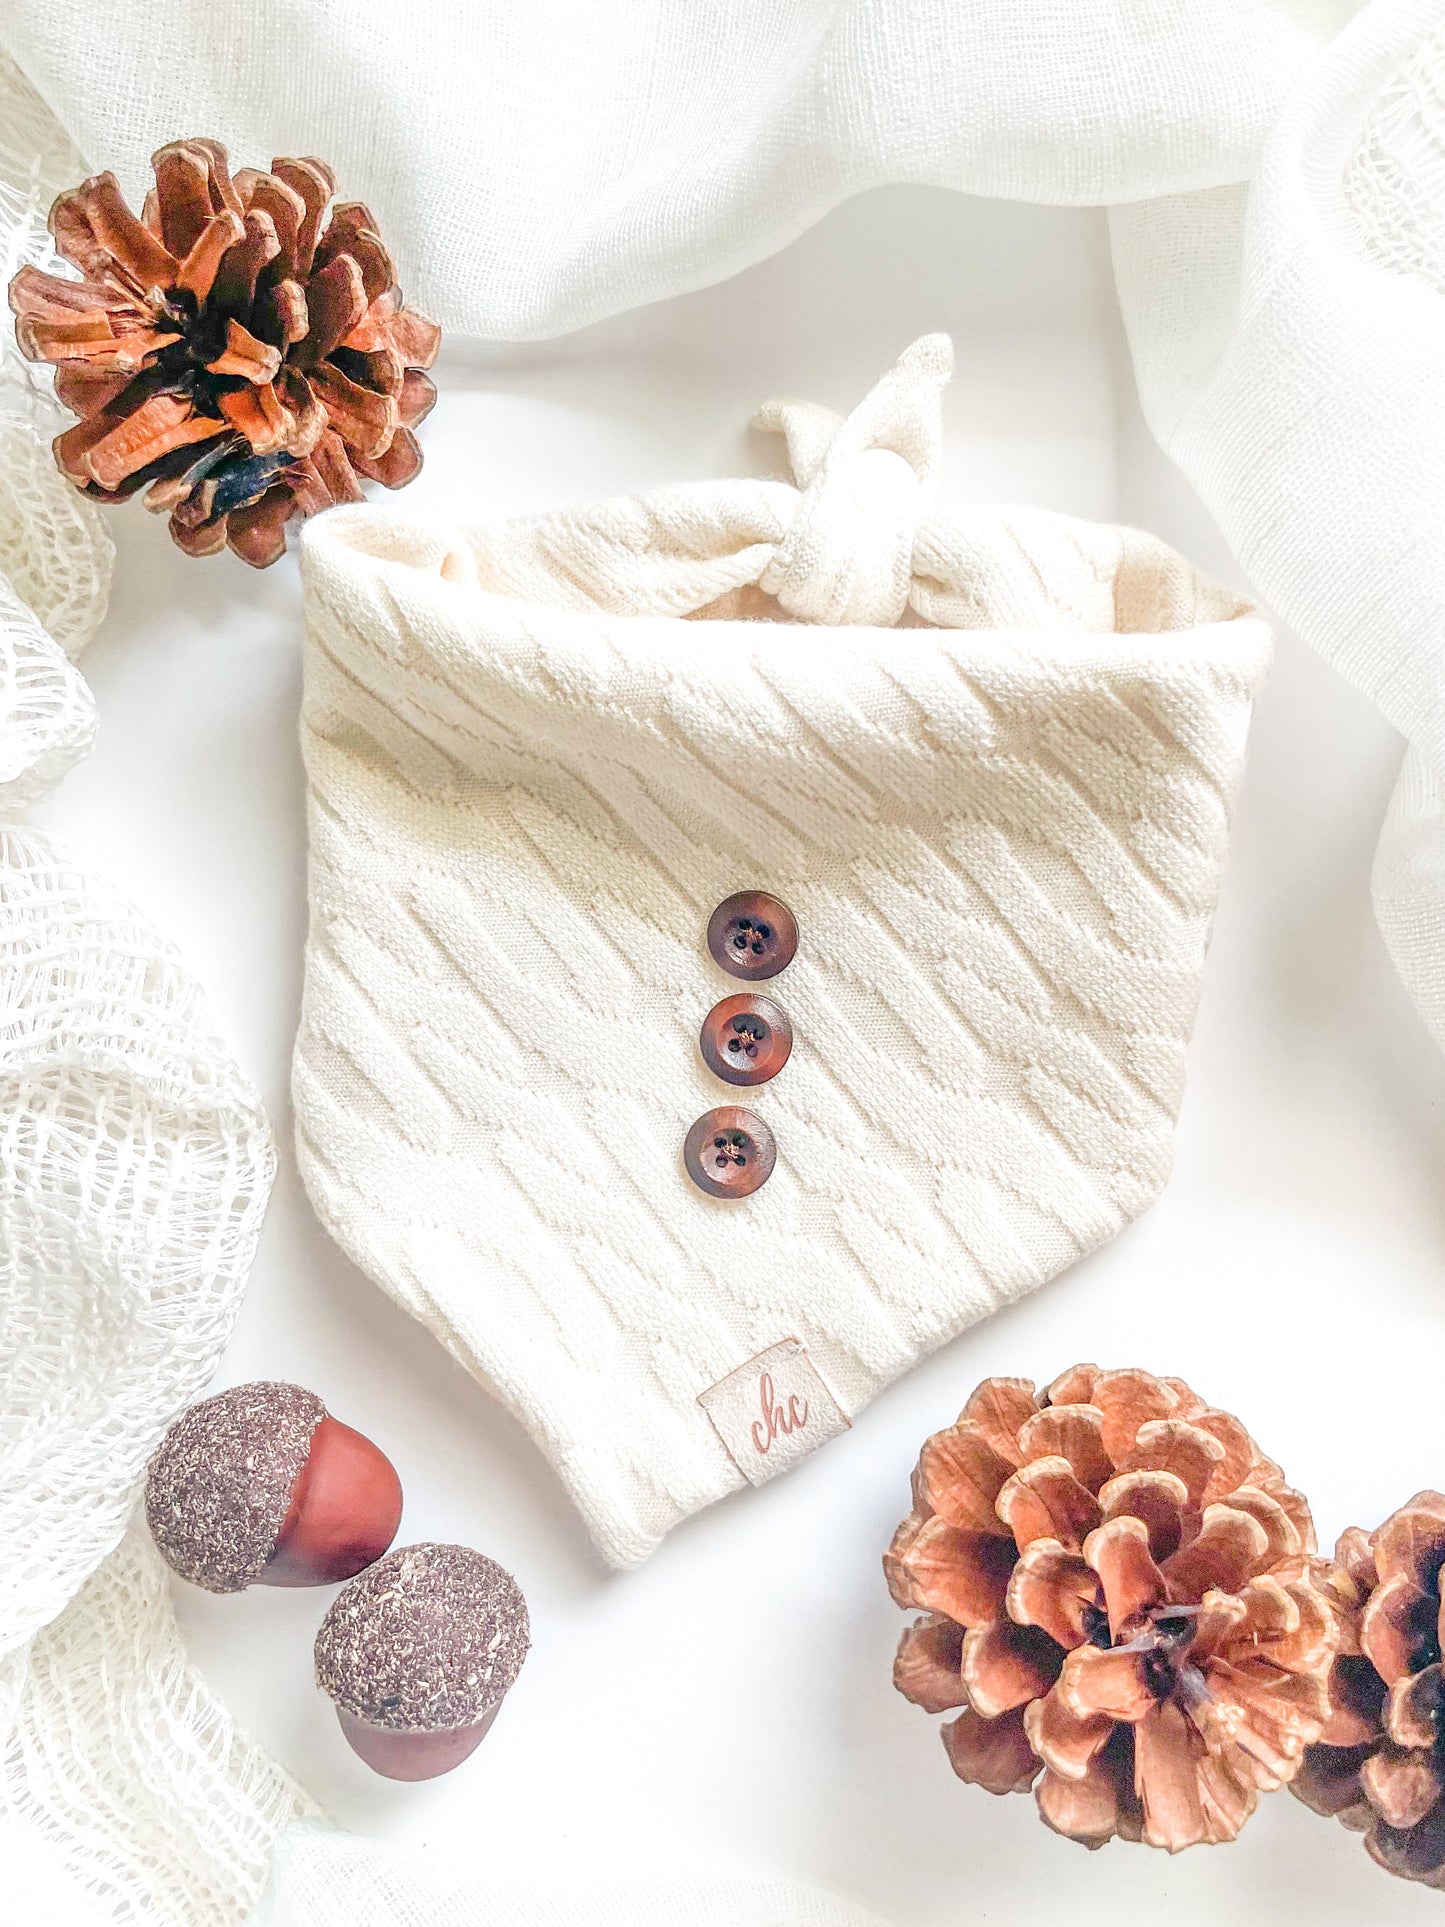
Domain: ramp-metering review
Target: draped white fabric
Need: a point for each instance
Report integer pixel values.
(1276, 173)
(539, 166)
(55, 554)
(1289, 341)
(135, 1165)
(323, 1878)
(1277, 170)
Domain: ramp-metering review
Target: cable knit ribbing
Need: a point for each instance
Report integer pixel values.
(529, 786)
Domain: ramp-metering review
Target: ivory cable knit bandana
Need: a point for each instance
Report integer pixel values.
(987, 757)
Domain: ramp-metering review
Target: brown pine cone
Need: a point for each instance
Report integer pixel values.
(1120, 1594)
(1380, 1762)
(226, 352)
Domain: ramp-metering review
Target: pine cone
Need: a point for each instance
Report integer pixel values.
(1119, 1592)
(1380, 1763)
(225, 352)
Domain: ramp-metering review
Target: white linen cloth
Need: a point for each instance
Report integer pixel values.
(1001, 824)
(537, 167)
(1289, 341)
(1275, 167)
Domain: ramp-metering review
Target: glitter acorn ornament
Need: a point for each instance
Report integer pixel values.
(417, 1655)
(1121, 1598)
(231, 352)
(261, 1486)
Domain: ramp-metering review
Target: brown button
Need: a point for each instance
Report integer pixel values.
(746, 1039)
(729, 1152)
(752, 935)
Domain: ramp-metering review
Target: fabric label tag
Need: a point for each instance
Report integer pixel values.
(773, 1411)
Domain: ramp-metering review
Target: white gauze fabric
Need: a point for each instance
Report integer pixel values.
(55, 555)
(626, 154)
(127, 1792)
(1290, 346)
(322, 1878)
(1278, 167)
(537, 167)
(135, 1164)
(987, 757)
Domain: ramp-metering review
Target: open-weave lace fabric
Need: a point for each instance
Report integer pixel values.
(325, 1879)
(135, 1164)
(985, 755)
(125, 1779)
(55, 556)
(134, 1168)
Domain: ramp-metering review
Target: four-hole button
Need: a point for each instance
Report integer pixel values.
(752, 935)
(729, 1152)
(746, 1039)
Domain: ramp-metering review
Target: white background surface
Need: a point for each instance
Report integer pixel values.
(731, 1700)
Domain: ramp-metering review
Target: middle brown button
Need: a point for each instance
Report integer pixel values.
(746, 1039)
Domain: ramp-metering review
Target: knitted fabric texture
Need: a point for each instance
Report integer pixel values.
(996, 798)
